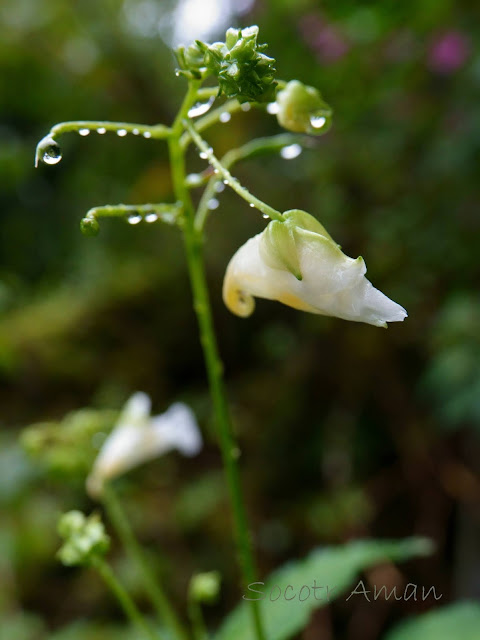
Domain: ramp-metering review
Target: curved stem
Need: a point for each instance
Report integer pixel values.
(168, 213)
(127, 604)
(196, 267)
(154, 589)
(155, 132)
(228, 179)
(251, 149)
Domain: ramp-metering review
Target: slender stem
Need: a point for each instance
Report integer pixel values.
(155, 132)
(154, 589)
(168, 213)
(124, 599)
(228, 178)
(253, 148)
(196, 618)
(196, 267)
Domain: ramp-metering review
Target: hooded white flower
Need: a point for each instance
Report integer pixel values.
(297, 262)
(138, 437)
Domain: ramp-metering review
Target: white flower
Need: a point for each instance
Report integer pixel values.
(138, 437)
(297, 262)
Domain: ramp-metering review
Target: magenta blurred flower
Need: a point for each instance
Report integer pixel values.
(448, 52)
(325, 39)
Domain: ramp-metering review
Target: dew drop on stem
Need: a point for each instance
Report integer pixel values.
(84, 132)
(200, 108)
(291, 151)
(134, 218)
(48, 151)
(225, 116)
(151, 217)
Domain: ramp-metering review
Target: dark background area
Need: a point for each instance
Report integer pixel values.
(346, 430)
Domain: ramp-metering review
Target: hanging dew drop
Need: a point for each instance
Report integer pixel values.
(48, 151)
(265, 216)
(203, 155)
(135, 218)
(84, 132)
(136, 131)
(226, 182)
(252, 205)
(219, 187)
(200, 108)
(245, 106)
(121, 133)
(291, 151)
(225, 116)
(151, 217)
(101, 130)
(147, 134)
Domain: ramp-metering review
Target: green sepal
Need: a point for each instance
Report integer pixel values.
(278, 247)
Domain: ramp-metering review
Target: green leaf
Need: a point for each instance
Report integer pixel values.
(335, 567)
(460, 620)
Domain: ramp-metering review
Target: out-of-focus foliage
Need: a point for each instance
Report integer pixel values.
(337, 422)
(461, 620)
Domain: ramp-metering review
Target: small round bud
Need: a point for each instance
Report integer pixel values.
(205, 587)
(302, 109)
(89, 226)
(84, 538)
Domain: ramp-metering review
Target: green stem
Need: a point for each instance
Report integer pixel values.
(154, 589)
(193, 247)
(251, 149)
(168, 213)
(196, 618)
(123, 598)
(228, 179)
(154, 132)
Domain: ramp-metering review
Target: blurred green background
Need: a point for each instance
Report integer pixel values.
(346, 430)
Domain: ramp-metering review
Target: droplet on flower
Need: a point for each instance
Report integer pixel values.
(122, 133)
(48, 151)
(101, 130)
(84, 132)
(200, 108)
(151, 217)
(317, 121)
(213, 203)
(273, 108)
(225, 116)
(291, 151)
(135, 218)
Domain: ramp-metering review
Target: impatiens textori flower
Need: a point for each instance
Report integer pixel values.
(296, 262)
(138, 437)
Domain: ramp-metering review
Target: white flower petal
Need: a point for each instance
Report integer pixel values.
(137, 438)
(331, 283)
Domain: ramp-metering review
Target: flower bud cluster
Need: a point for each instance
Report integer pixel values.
(84, 538)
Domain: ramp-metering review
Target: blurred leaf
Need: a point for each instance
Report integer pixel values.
(460, 620)
(336, 567)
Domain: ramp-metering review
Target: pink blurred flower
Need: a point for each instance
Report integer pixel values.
(325, 39)
(448, 52)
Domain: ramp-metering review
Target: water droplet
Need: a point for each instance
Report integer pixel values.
(225, 116)
(194, 180)
(245, 106)
(291, 151)
(226, 182)
(215, 171)
(219, 187)
(203, 155)
(84, 132)
(89, 226)
(48, 151)
(273, 108)
(200, 108)
(318, 121)
(252, 205)
(122, 133)
(151, 217)
(177, 73)
(147, 134)
(213, 203)
(265, 216)
(136, 131)
(101, 130)
(135, 218)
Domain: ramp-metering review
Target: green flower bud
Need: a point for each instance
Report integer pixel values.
(89, 226)
(84, 538)
(302, 109)
(205, 587)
